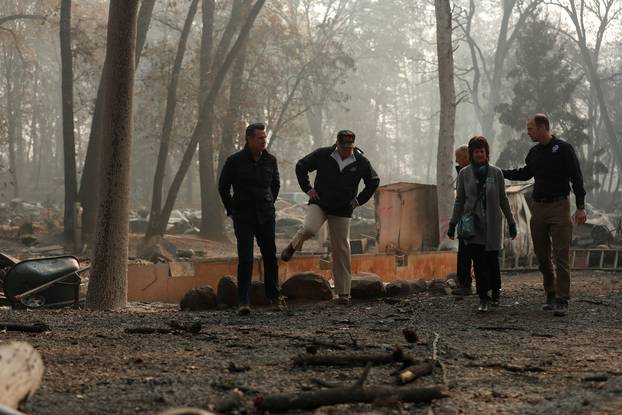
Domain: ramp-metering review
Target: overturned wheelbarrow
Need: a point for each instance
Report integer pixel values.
(44, 282)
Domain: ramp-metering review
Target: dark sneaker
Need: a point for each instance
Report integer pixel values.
(462, 291)
(244, 310)
(343, 300)
(550, 302)
(278, 304)
(287, 253)
(484, 306)
(561, 308)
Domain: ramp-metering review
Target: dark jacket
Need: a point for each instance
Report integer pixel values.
(255, 186)
(337, 189)
(553, 166)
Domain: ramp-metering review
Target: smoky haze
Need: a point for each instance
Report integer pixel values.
(308, 69)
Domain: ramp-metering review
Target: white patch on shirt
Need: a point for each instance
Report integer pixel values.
(342, 163)
(555, 148)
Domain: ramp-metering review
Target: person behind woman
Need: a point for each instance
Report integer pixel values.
(481, 194)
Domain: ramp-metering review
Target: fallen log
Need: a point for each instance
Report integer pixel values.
(350, 394)
(37, 327)
(416, 371)
(21, 372)
(355, 359)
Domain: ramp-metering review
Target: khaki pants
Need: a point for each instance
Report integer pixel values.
(551, 231)
(339, 232)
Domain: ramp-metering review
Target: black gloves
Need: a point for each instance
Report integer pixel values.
(451, 231)
(513, 230)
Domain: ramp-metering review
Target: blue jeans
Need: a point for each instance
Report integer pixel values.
(245, 233)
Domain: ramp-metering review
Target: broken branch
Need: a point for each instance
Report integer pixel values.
(146, 330)
(335, 396)
(414, 372)
(37, 327)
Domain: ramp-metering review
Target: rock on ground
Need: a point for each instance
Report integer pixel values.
(307, 286)
(367, 286)
(202, 298)
(418, 286)
(439, 287)
(398, 288)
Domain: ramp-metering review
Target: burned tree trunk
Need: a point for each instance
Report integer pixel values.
(108, 283)
(212, 214)
(347, 394)
(169, 119)
(13, 104)
(208, 101)
(230, 123)
(444, 158)
(69, 145)
(89, 183)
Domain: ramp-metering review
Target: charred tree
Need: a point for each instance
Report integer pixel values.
(169, 119)
(69, 144)
(444, 159)
(108, 283)
(234, 110)
(208, 102)
(90, 174)
(212, 215)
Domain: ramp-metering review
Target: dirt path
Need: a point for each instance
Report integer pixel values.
(534, 364)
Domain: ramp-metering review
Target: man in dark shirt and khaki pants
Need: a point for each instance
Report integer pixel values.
(554, 166)
(332, 198)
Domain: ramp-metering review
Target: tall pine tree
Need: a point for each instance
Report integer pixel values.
(544, 80)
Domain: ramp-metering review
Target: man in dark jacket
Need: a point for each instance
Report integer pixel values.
(333, 197)
(553, 164)
(254, 176)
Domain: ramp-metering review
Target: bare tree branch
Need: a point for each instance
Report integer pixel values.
(5, 19)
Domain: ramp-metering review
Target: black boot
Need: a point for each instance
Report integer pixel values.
(550, 302)
(561, 308)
